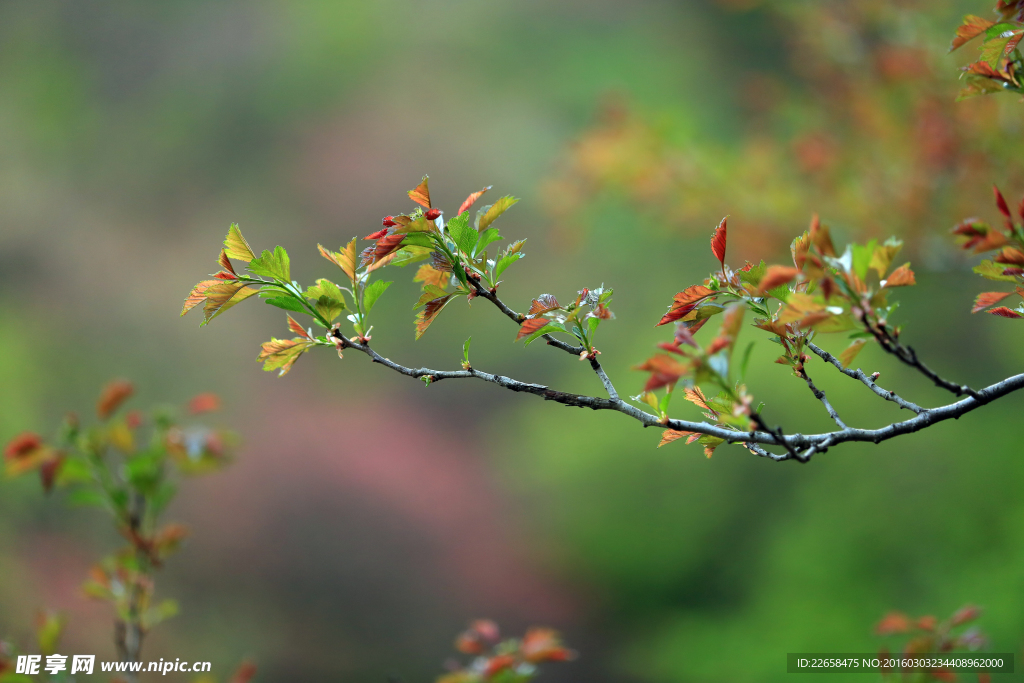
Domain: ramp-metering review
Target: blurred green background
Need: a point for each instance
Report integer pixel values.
(368, 518)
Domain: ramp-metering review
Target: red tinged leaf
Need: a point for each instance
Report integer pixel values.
(495, 665)
(421, 194)
(670, 435)
(971, 27)
(22, 446)
(113, 395)
(529, 326)
(1020, 208)
(820, 237)
(486, 628)
(281, 354)
(776, 276)
(543, 645)
(471, 199)
(377, 235)
(345, 259)
(225, 262)
(49, 470)
(469, 643)
(386, 246)
(1002, 206)
(893, 622)
(225, 275)
(244, 673)
(718, 242)
(684, 302)
(665, 371)
(1004, 312)
(901, 277)
(429, 275)
(545, 303)
(429, 312)
(1011, 255)
(986, 299)
(204, 403)
(390, 222)
(295, 327)
(197, 295)
(1013, 271)
(983, 69)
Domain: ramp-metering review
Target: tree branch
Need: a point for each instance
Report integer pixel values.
(820, 395)
(859, 374)
(518, 319)
(799, 446)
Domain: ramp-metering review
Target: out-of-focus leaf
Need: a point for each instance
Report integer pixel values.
(776, 276)
(993, 271)
(236, 246)
(492, 212)
(49, 627)
(901, 277)
(883, 254)
(421, 193)
(849, 354)
(1000, 41)
(113, 395)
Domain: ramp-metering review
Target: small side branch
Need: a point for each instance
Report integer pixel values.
(908, 356)
(859, 374)
(518, 319)
(820, 395)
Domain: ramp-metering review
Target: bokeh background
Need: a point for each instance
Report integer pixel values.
(368, 518)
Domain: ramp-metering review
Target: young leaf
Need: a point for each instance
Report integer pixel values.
(552, 326)
(281, 354)
(850, 352)
(297, 328)
(543, 304)
(1001, 204)
(222, 296)
(1000, 41)
(685, 301)
(993, 271)
(901, 277)
(776, 276)
(486, 237)
(421, 194)
(430, 312)
(472, 198)
(1004, 312)
(274, 265)
(287, 303)
(430, 292)
(197, 295)
(530, 326)
(465, 347)
(225, 262)
(429, 275)
(670, 435)
(328, 307)
(463, 233)
(236, 246)
(491, 213)
(325, 287)
(718, 238)
(373, 293)
(345, 259)
(971, 27)
(986, 299)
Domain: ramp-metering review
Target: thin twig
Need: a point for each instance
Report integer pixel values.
(859, 374)
(793, 443)
(608, 386)
(820, 395)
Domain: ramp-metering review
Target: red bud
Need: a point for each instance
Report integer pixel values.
(389, 222)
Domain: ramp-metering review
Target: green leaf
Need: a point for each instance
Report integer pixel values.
(491, 213)
(274, 265)
(86, 497)
(552, 326)
(418, 239)
(220, 298)
(421, 224)
(462, 232)
(281, 354)
(862, 255)
(236, 246)
(430, 292)
(325, 287)
(287, 303)
(410, 254)
(329, 308)
(993, 271)
(465, 350)
(592, 324)
(486, 237)
(746, 360)
(373, 293)
(1000, 40)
